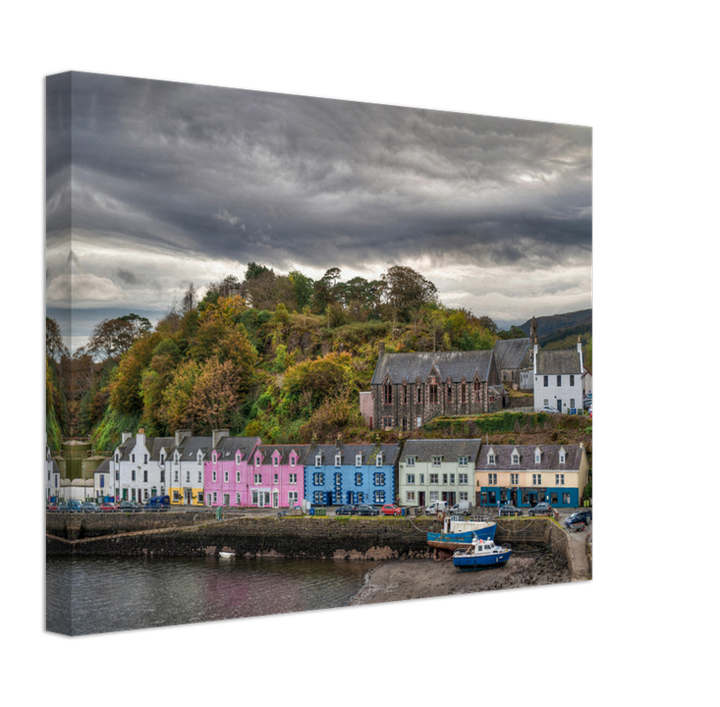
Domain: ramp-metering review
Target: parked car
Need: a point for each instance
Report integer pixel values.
(158, 503)
(108, 507)
(390, 509)
(73, 506)
(509, 510)
(89, 507)
(463, 508)
(129, 506)
(365, 510)
(541, 509)
(345, 511)
(51, 506)
(549, 408)
(583, 517)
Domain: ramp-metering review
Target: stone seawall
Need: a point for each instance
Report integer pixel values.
(190, 534)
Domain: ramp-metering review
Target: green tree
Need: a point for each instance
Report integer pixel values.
(406, 291)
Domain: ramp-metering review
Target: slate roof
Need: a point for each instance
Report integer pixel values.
(350, 451)
(549, 459)
(449, 449)
(558, 362)
(510, 352)
(103, 467)
(267, 450)
(449, 364)
(228, 446)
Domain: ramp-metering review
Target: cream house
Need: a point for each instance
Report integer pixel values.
(524, 475)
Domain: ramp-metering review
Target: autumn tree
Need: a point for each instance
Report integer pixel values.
(406, 291)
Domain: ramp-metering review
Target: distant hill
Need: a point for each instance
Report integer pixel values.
(558, 326)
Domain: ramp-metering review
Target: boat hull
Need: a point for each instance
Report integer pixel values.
(467, 536)
(479, 562)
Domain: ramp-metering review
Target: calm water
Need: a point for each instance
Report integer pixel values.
(122, 593)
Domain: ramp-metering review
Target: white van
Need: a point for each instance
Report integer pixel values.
(436, 507)
(463, 508)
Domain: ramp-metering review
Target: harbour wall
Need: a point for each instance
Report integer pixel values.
(187, 534)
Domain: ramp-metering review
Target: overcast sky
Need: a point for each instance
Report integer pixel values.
(174, 183)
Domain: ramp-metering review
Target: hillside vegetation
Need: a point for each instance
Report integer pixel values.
(279, 356)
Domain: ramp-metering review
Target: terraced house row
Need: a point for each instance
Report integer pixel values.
(220, 470)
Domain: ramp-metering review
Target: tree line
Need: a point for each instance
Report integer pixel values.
(281, 356)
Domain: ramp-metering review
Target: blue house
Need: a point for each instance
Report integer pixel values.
(351, 473)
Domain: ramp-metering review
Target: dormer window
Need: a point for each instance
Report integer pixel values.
(338, 459)
(515, 458)
(410, 461)
(538, 454)
(358, 460)
(292, 460)
(379, 460)
(318, 461)
(436, 461)
(491, 458)
(214, 457)
(276, 461)
(462, 461)
(562, 455)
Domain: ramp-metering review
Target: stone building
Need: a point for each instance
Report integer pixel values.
(409, 389)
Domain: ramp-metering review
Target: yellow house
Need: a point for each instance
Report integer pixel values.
(525, 475)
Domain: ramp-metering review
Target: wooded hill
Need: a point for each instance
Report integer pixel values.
(278, 356)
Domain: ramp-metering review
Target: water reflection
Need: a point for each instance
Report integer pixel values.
(101, 594)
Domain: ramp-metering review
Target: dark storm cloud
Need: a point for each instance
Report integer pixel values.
(290, 179)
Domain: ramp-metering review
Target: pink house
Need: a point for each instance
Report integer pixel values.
(226, 470)
(276, 475)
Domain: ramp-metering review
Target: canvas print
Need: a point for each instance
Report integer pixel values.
(305, 353)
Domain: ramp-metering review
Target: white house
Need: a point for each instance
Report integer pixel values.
(52, 476)
(135, 468)
(558, 379)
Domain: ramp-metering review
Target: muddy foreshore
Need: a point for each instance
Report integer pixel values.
(398, 580)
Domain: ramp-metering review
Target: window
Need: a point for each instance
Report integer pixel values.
(238, 499)
(318, 497)
(492, 479)
(463, 461)
(537, 456)
(546, 402)
(387, 393)
(145, 476)
(463, 495)
(462, 478)
(410, 461)
(537, 479)
(559, 381)
(410, 479)
(516, 458)
(514, 479)
(445, 480)
(463, 394)
(572, 402)
(275, 461)
(258, 478)
(133, 474)
(476, 386)
(436, 461)
(491, 459)
(338, 459)
(358, 460)
(145, 458)
(379, 497)
(293, 478)
(434, 478)
(132, 457)
(187, 477)
(318, 479)
(566, 499)
(434, 496)
(559, 479)
(387, 422)
(275, 479)
(433, 393)
(422, 478)
(452, 478)
(572, 382)
(358, 479)
(318, 461)
(545, 381)
(292, 460)
(162, 475)
(237, 477)
(214, 475)
(562, 456)
(379, 460)
(405, 394)
(379, 479)
(449, 392)
(410, 496)
(419, 394)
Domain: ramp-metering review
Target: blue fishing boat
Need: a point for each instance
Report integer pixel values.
(456, 530)
(481, 554)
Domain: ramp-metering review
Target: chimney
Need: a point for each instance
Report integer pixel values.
(140, 436)
(126, 436)
(180, 435)
(381, 349)
(579, 348)
(217, 435)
